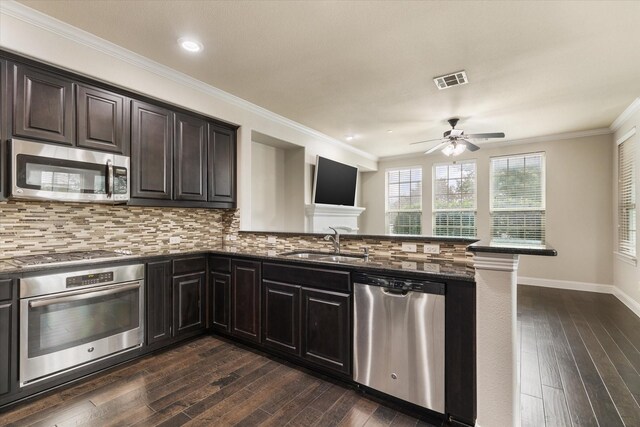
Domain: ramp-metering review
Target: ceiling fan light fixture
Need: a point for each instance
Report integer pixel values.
(454, 149)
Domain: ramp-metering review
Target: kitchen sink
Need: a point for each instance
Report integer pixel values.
(326, 256)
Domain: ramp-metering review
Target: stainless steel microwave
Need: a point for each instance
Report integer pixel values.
(53, 172)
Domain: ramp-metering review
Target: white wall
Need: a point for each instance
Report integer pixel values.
(626, 274)
(37, 36)
(578, 196)
(267, 185)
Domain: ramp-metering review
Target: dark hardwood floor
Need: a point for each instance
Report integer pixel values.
(208, 382)
(580, 366)
(580, 359)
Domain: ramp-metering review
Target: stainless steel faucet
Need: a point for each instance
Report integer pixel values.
(335, 239)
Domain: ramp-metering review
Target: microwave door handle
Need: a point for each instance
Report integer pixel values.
(110, 178)
(84, 295)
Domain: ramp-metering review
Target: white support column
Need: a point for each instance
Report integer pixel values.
(497, 358)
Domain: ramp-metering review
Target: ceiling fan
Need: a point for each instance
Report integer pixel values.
(455, 141)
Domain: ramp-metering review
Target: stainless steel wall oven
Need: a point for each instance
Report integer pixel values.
(72, 319)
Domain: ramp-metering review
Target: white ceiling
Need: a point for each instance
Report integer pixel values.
(366, 67)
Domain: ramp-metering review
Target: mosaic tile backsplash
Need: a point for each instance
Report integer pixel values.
(42, 227)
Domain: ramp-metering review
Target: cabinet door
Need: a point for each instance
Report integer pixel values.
(190, 157)
(159, 301)
(6, 347)
(281, 316)
(326, 329)
(8, 335)
(245, 300)
(43, 105)
(151, 151)
(101, 120)
(221, 301)
(222, 164)
(188, 303)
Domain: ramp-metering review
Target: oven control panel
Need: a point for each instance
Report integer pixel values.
(89, 279)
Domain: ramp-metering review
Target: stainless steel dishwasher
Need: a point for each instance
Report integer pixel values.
(398, 340)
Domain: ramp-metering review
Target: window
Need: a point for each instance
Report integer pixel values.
(454, 199)
(517, 201)
(627, 196)
(404, 201)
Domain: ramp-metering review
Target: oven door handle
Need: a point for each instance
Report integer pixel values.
(84, 295)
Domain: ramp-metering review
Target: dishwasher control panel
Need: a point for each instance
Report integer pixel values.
(400, 284)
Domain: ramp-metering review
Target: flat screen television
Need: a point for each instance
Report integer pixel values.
(334, 183)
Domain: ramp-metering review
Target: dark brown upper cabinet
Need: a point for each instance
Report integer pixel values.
(102, 120)
(43, 105)
(151, 151)
(190, 158)
(222, 164)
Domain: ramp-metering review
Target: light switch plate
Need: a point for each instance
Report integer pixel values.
(271, 253)
(409, 265)
(409, 247)
(431, 249)
(174, 240)
(271, 239)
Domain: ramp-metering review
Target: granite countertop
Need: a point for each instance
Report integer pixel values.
(511, 248)
(376, 265)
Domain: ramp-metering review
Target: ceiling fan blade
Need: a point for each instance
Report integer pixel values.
(428, 140)
(470, 146)
(485, 135)
(437, 147)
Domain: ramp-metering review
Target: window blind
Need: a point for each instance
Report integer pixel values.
(627, 198)
(517, 201)
(404, 201)
(454, 199)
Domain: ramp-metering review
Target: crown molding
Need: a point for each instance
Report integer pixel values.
(510, 142)
(625, 115)
(48, 23)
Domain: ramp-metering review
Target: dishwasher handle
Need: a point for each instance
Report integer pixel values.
(399, 284)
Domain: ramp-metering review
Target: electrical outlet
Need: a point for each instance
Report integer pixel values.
(409, 247)
(409, 265)
(174, 240)
(431, 249)
(271, 240)
(271, 253)
(431, 268)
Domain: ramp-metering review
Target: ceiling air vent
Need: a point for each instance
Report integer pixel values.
(453, 79)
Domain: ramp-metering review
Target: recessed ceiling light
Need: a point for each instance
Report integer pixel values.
(349, 137)
(190, 45)
(389, 131)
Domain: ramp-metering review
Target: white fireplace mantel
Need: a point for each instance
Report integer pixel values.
(344, 218)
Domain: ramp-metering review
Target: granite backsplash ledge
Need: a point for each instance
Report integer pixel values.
(41, 227)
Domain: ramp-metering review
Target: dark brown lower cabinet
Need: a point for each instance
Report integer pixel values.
(281, 316)
(326, 329)
(8, 336)
(221, 301)
(6, 345)
(189, 303)
(245, 299)
(159, 301)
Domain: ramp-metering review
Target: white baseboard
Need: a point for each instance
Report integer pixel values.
(583, 286)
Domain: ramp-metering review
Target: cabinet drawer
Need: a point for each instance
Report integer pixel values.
(306, 276)
(6, 289)
(189, 265)
(220, 264)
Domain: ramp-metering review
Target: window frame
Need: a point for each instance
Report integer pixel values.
(435, 210)
(621, 252)
(543, 196)
(387, 211)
